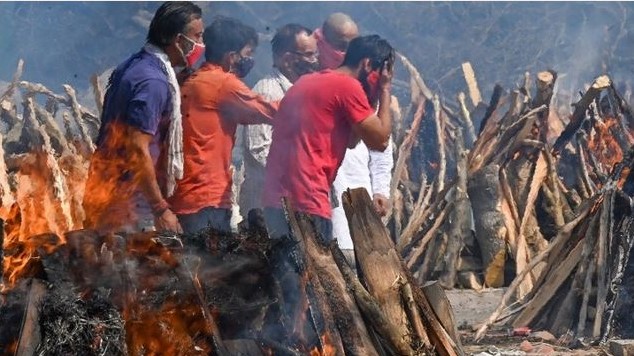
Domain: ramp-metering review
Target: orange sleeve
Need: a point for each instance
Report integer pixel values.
(241, 104)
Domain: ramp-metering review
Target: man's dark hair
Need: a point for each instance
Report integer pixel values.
(375, 48)
(171, 19)
(226, 35)
(284, 39)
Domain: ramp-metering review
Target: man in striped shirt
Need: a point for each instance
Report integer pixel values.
(294, 54)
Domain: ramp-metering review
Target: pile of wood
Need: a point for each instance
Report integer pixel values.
(225, 294)
(539, 200)
(580, 284)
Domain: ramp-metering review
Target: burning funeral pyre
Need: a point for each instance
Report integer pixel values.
(516, 192)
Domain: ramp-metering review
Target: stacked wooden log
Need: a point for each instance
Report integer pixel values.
(221, 294)
(536, 202)
(578, 289)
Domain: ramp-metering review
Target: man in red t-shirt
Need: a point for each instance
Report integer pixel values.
(321, 115)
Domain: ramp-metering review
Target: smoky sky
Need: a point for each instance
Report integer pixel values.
(66, 42)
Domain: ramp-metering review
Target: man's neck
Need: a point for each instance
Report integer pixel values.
(353, 72)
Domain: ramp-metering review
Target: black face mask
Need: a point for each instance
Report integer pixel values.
(302, 67)
(243, 66)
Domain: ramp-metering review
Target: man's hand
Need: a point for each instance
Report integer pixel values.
(168, 222)
(381, 204)
(387, 72)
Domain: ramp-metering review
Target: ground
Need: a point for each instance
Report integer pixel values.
(471, 307)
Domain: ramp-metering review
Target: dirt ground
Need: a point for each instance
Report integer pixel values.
(471, 307)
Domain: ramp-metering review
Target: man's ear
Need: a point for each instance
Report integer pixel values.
(366, 64)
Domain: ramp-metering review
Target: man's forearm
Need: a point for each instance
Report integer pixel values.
(384, 113)
(144, 172)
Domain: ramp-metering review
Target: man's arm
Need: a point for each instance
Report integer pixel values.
(376, 129)
(246, 107)
(257, 138)
(380, 166)
(138, 148)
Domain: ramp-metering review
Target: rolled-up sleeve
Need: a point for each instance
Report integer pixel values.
(380, 165)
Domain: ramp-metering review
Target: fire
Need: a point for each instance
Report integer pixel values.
(111, 183)
(603, 144)
(327, 348)
(37, 210)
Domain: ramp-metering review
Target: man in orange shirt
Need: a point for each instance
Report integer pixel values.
(214, 102)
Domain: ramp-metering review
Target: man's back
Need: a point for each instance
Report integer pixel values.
(311, 133)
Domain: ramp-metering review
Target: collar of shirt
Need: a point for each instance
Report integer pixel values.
(281, 79)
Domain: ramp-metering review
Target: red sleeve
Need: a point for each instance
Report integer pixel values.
(354, 103)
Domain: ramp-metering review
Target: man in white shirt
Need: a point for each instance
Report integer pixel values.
(361, 168)
(294, 54)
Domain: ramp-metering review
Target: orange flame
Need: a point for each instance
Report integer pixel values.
(602, 143)
(112, 182)
(327, 348)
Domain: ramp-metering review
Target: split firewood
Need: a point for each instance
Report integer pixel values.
(58, 140)
(562, 236)
(416, 219)
(564, 317)
(440, 134)
(414, 257)
(415, 74)
(605, 239)
(459, 222)
(346, 315)
(472, 83)
(98, 92)
(366, 302)
(579, 115)
(382, 270)
(30, 335)
(8, 93)
(77, 115)
(494, 103)
(405, 151)
(466, 117)
(378, 260)
(412, 312)
(442, 308)
(6, 194)
(322, 314)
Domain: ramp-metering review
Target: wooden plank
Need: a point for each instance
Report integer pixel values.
(442, 308)
(549, 288)
(243, 347)
(30, 335)
(472, 83)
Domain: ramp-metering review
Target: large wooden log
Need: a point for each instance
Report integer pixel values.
(345, 312)
(383, 271)
(485, 194)
(366, 302)
(323, 318)
(378, 260)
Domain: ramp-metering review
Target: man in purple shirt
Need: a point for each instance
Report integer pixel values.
(140, 138)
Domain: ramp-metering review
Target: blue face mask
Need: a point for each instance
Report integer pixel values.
(243, 66)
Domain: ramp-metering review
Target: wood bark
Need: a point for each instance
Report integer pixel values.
(490, 230)
(378, 260)
(30, 331)
(345, 313)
